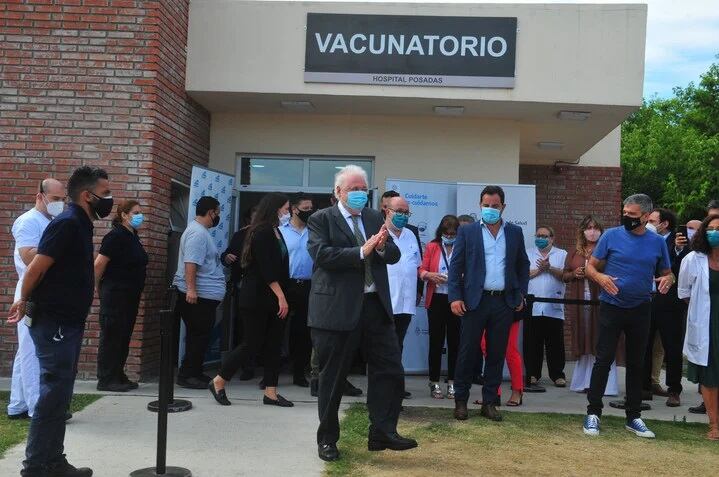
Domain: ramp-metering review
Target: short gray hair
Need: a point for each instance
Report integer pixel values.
(642, 200)
(349, 171)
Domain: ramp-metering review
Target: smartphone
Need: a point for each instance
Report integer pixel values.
(683, 230)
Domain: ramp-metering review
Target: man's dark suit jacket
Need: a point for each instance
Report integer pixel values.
(671, 299)
(337, 289)
(468, 262)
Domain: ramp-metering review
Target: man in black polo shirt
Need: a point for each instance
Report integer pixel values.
(56, 295)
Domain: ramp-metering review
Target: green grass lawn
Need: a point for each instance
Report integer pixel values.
(523, 444)
(13, 432)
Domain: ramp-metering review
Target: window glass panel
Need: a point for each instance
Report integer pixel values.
(322, 171)
(267, 171)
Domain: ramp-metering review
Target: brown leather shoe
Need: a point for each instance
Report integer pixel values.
(658, 390)
(673, 400)
(490, 412)
(460, 410)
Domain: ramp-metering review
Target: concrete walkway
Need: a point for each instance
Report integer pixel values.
(116, 434)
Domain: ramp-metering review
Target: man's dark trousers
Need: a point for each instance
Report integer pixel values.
(58, 349)
(496, 318)
(298, 297)
(669, 320)
(614, 320)
(199, 320)
(336, 350)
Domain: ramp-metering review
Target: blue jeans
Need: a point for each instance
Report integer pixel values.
(496, 318)
(58, 349)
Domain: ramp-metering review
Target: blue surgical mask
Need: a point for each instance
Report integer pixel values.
(713, 238)
(357, 199)
(448, 240)
(490, 215)
(541, 243)
(399, 220)
(136, 221)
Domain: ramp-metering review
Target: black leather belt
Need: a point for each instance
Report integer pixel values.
(493, 292)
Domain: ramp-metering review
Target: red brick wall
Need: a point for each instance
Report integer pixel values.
(97, 82)
(566, 194)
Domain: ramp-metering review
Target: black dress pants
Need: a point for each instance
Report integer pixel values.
(375, 335)
(613, 320)
(298, 296)
(442, 323)
(544, 333)
(199, 319)
(669, 320)
(263, 328)
(118, 312)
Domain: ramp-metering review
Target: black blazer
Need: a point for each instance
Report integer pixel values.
(267, 264)
(235, 248)
(338, 278)
(671, 298)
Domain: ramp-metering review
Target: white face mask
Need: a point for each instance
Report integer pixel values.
(651, 227)
(284, 218)
(690, 233)
(55, 208)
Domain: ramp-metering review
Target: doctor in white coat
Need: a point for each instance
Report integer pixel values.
(699, 283)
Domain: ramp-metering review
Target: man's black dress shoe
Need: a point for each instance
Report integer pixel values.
(280, 401)
(314, 387)
(328, 452)
(490, 412)
(460, 410)
(700, 409)
(17, 417)
(534, 388)
(65, 469)
(351, 390)
(113, 387)
(380, 441)
(191, 382)
(220, 396)
(130, 384)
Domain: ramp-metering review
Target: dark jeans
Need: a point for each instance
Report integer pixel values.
(262, 328)
(199, 320)
(298, 295)
(495, 318)
(613, 320)
(375, 335)
(58, 349)
(442, 322)
(118, 312)
(544, 333)
(669, 321)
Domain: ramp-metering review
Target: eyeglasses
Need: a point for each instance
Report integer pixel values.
(403, 212)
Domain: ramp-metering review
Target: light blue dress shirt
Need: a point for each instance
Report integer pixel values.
(495, 255)
(300, 260)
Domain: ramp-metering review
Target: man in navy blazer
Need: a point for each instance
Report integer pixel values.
(488, 279)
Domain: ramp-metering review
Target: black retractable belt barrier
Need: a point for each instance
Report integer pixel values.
(166, 402)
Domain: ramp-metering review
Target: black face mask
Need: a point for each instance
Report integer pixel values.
(102, 206)
(304, 215)
(215, 220)
(631, 223)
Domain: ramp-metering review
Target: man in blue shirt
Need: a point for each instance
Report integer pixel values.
(56, 294)
(624, 263)
(295, 234)
(488, 279)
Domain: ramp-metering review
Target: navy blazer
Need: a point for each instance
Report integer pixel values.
(467, 268)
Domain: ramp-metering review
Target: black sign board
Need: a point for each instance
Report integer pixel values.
(411, 50)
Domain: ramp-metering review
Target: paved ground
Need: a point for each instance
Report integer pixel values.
(116, 435)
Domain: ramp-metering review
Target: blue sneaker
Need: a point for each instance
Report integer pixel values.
(591, 425)
(638, 427)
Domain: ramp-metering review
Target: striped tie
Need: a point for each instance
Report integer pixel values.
(368, 280)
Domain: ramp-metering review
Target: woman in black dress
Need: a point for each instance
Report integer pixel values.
(266, 266)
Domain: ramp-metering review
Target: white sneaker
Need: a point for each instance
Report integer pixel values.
(591, 425)
(638, 427)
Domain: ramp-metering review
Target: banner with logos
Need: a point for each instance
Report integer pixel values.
(411, 50)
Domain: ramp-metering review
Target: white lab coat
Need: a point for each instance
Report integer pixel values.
(694, 284)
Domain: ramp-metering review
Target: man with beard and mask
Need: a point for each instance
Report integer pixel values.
(667, 321)
(200, 281)
(624, 264)
(27, 231)
(298, 294)
(55, 297)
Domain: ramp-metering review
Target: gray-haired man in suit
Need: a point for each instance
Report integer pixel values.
(350, 308)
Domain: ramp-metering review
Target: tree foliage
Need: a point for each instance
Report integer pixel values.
(670, 148)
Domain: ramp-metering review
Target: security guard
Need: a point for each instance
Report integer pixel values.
(56, 295)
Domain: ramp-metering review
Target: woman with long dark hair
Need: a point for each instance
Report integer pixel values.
(442, 322)
(266, 265)
(120, 277)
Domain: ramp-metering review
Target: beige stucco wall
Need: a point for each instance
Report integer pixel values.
(452, 149)
(606, 152)
(590, 54)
